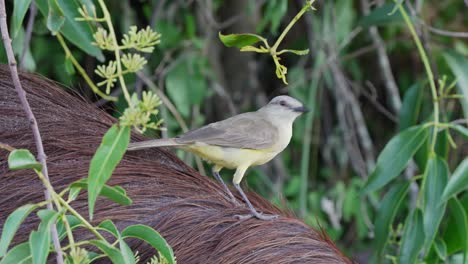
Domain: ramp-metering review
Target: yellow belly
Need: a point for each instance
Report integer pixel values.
(231, 158)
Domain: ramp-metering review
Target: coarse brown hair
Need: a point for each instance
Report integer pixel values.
(190, 210)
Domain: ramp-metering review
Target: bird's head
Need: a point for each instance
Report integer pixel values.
(284, 107)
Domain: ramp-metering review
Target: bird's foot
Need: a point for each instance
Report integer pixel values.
(257, 215)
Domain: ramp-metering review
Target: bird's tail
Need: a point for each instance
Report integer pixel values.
(163, 142)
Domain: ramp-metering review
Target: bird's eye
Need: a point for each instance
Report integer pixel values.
(282, 103)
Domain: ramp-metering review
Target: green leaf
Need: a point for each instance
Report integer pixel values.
(19, 12)
(460, 226)
(440, 248)
(55, 18)
(459, 65)
(435, 179)
(39, 241)
(12, 224)
(385, 215)
(395, 157)
(18, 254)
(274, 13)
(127, 252)
(172, 35)
(77, 32)
(73, 193)
(23, 159)
(110, 227)
(69, 68)
(458, 182)
(186, 85)
(412, 238)
(240, 40)
(297, 52)
(152, 237)
(380, 16)
(442, 144)
(105, 160)
(113, 193)
(411, 107)
(461, 129)
(111, 252)
(73, 221)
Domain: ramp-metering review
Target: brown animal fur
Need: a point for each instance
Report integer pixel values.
(188, 209)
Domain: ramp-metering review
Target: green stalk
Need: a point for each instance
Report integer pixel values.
(82, 220)
(54, 196)
(429, 73)
(107, 17)
(59, 202)
(305, 157)
(304, 9)
(80, 69)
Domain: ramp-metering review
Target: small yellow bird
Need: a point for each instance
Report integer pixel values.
(239, 142)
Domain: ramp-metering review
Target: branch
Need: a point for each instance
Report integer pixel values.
(32, 120)
(384, 63)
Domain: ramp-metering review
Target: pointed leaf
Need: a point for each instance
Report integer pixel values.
(381, 16)
(152, 237)
(12, 224)
(19, 12)
(297, 52)
(461, 225)
(77, 32)
(127, 252)
(458, 182)
(39, 241)
(410, 107)
(240, 40)
(113, 193)
(105, 160)
(440, 248)
(73, 221)
(22, 159)
(18, 254)
(110, 227)
(412, 238)
(435, 179)
(395, 157)
(385, 215)
(55, 18)
(111, 252)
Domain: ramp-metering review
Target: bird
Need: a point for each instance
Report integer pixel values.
(239, 142)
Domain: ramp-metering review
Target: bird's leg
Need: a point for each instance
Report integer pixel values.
(216, 170)
(252, 209)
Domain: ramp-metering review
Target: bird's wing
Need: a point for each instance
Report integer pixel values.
(248, 130)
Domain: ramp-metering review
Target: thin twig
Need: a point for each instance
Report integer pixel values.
(164, 99)
(82, 71)
(31, 118)
(28, 33)
(445, 32)
(6, 147)
(384, 63)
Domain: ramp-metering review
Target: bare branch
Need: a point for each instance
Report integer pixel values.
(32, 120)
(384, 63)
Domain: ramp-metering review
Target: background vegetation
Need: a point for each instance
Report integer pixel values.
(363, 77)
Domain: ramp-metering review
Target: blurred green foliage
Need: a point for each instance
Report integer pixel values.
(335, 149)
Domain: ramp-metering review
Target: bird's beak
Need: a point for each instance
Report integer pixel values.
(301, 109)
